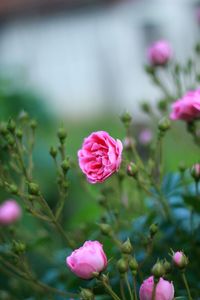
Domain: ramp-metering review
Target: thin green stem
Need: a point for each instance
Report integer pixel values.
(135, 288)
(154, 291)
(122, 288)
(186, 285)
(129, 287)
(110, 291)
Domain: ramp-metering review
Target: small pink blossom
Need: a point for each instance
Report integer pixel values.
(100, 156)
(177, 257)
(145, 136)
(87, 259)
(159, 53)
(187, 108)
(10, 211)
(164, 289)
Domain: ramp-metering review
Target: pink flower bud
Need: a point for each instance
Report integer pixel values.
(88, 259)
(164, 289)
(180, 260)
(159, 53)
(195, 172)
(10, 211)
(145, 136)
(187, 108)
(100, 156)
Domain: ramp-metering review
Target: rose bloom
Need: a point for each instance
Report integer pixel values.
(145, 136)
(100, 156)
(10, 211)
(159, 53)
(87, 259)
(164, 289)
(187, 108)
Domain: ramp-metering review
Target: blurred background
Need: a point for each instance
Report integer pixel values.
(85, 57)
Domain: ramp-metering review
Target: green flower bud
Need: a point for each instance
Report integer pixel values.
(182, 167)
(162, 105)
(158, 270)
(19, 133)
(132, 169)
(33, 124)
(105, 229)
(167, 266)
(18, 247)
(164, 124)
(11, 126)
(3, 129)
(53, 152)
(62, 134)
(145, 107)
(153, 229)
(10, 140)
(13, 189)
(133, 265)
(126, 247)
(122, 265)
(126, 119)
(33, 189)
(86, 294)
(65, 165)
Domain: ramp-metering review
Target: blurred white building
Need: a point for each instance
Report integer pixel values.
(85, 59)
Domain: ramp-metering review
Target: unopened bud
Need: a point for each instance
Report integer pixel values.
(145, 107)
(18, 247)
(167, 266)
(164, 124)
(182, 167)
(153, 229)
(86, 294)
(13, 189)
(19, 133)
(53, 152)
(122, 265)
(126, 247)
(162, 105)
(23, 116)
(33, 124)
(33, 189)
(11, 125)
(126, 119)
(133, 265)
(62, 134)
(106, 229)
(65, 165)
(3, 129)
(195, 172)
(180, 259)
(158, 270)
(132, 169)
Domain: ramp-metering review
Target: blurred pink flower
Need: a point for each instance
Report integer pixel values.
(87, 259)
(187, 108)
(100, 156)
(164, 289)
(145, 136)
(159, 53)
(177, 257)
(10, 211)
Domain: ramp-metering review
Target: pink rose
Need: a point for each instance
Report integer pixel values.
(10, 211)
(100, 156)
(187, 108)
(164, 289)
(159, 53)
(87, 259)
(145, 136)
